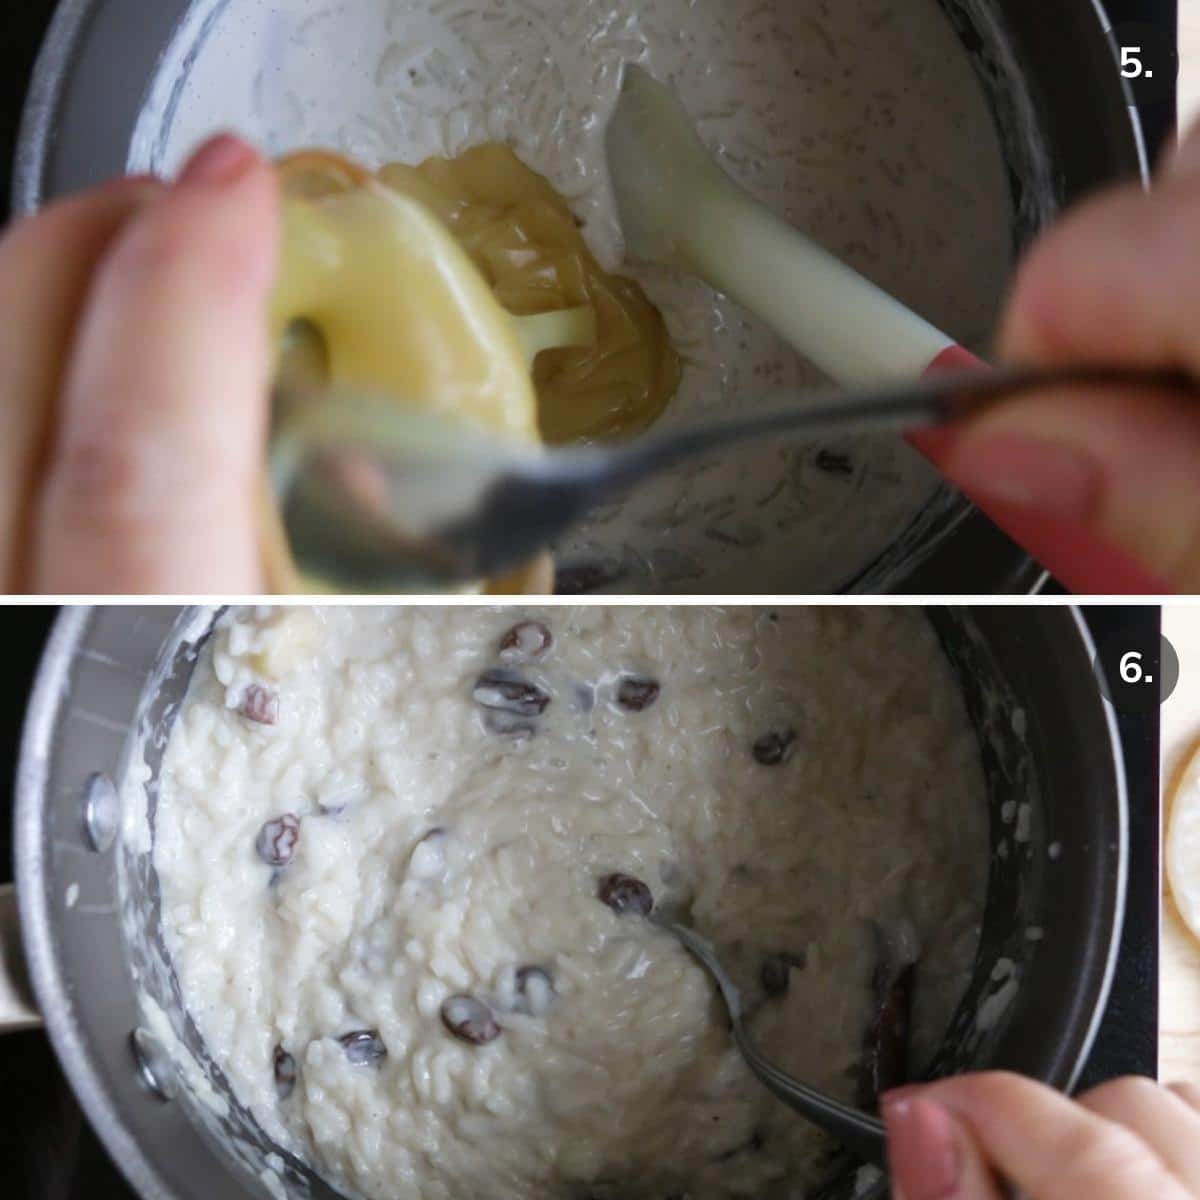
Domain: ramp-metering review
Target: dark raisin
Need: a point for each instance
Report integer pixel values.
(625, 894)
(535, 990)
(277, 839)
(285, 1073)
(260, 705)
(469, 1020)
(428, 859)
(510, 692)
(776, 970)
(364, 1047)
(637, 693)
(529, 639)
(774, 748)
(834, 464)
(885, 1062)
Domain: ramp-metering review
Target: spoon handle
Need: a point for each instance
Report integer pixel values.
(860, 1133)
(940, 398)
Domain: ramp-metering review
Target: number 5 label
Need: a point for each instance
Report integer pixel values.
(1147, 59)
(1132, 66)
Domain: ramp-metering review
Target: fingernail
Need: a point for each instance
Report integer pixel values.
(222, 160)
(1023, 472)
(923, 1150)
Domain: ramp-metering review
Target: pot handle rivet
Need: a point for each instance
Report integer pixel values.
(101, 809)
(155, 1068)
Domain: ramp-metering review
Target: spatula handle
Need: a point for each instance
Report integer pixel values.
(838, 319)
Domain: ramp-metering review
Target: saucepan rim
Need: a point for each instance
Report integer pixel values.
(46, 959)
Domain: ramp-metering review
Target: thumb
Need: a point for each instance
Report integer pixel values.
(1113, 283)
(153, 476)
(931, 1154)
(1102, 486)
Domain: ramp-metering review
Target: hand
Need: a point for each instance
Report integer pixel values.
(1128, 1140)
(1116, 282)
(134, 381)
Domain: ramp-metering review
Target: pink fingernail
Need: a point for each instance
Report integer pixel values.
(1056, 480)
(222, 160)
(923, 1150)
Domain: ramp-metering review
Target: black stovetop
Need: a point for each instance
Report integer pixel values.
(49, 1153)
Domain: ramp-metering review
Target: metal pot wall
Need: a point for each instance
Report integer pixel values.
(89, 900)
(1062, 110)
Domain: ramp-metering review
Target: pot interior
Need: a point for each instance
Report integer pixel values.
(405, 80)
(1051, 925)
(872, 148)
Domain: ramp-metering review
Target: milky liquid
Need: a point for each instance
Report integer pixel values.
(860, 122)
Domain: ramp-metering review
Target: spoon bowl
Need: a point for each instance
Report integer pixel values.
(860, 1133)
(380, 498)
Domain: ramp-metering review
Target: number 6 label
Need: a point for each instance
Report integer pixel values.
(1135, 678)
(1131, 668)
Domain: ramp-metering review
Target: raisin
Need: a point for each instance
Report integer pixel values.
(625, 894)
(286, 1073)
(529, 639)
(364, 1047)
(774, 748)
(510, 692)
(428, 859)
(277, 839)
(885, 1062)
(834, 464)
(469, 1020)
(535, 991)
(636, 693)
(260, 705)
(775, 973)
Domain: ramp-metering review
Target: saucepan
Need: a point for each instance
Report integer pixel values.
(118, 79)
(109, 688)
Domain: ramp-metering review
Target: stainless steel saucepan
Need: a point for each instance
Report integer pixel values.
(108, 692)
(115, 75)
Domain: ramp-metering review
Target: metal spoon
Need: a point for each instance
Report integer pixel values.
(861, 1134)
(380, 498)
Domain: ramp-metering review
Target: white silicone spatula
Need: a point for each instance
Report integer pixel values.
(678, 208)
